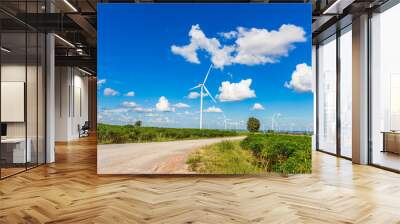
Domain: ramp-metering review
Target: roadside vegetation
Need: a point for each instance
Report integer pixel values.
(223, 158)
(119, 134)
(258, 153)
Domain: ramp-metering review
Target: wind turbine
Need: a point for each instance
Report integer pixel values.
(225, 120)
(203, 87)
(273, 120)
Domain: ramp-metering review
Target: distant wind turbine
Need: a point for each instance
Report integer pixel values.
(225, 120)
(203, 87)
(273, 120)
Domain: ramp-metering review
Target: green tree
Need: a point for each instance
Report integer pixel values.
(138, 123)
(253, 124)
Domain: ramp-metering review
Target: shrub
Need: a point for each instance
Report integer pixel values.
(109, 134)
(138, 123)
(254, 144)
(280, 153)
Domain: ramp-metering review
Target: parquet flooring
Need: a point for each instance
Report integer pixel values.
(70, 191)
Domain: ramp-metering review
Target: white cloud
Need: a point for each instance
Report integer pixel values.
(187, 113)
(129, 104)
(160, 120)
(188, 52)
(115, 110)
(258, 106)
(213, 110)
(181, 105)
(252, 46)
(228, 35)
(302, 79)
(220, 55)
(260, 46)
(142, 110)
(101, 82)
(110, 92)
(130, 93)
(193, 95)
(235, 91)
(163, 105)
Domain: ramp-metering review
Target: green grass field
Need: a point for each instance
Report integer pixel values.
(116, 134)
(223, 158)
(258, 153)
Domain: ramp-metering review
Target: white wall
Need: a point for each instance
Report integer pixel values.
(62, 82)
(17, 73)
(71, 103)
(33, 126)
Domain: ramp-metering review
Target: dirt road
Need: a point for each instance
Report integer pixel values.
(150, 158)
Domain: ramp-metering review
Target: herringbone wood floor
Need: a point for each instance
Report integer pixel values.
(69, 191)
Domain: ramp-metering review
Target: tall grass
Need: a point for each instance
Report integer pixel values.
(223, 158)
(115, 134)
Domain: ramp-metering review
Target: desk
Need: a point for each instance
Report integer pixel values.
(391, 141)
(15, 148)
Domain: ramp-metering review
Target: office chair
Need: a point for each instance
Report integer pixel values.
(84, 130)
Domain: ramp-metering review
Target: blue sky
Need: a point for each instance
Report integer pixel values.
(157, 52)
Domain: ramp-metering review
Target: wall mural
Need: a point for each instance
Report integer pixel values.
(204, 88)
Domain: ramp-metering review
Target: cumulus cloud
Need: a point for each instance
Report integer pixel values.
(163, 105)
(258, 106)
(193, 95)
(129, 104)
(130, 93)
(235, 91)
(302, 79)
(181, 105)
(110, 92)
(252, 46)
(188, 52)
(213, 110)
(220, 55)
(260, 46)
(101, 82)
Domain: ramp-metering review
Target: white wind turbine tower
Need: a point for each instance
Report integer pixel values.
(203, 87)
(273, 120)
(225, 120)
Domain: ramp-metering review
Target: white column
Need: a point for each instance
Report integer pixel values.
(50, 99)
(314, 73)
(360, 90)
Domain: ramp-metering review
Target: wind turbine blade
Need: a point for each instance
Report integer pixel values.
(205, 79)
(198, 86)
(209, 94)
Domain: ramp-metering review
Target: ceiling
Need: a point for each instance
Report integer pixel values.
(75, 21)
